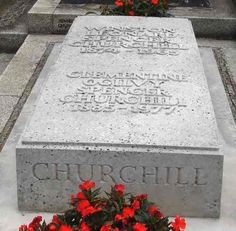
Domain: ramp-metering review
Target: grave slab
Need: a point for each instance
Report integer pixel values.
(126, 102)
(227, 138)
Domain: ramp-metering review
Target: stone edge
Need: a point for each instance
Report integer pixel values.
(20, 61)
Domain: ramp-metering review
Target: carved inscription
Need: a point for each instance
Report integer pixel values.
(139, 40)
(130, 174)
(137, 93)
(64, 23)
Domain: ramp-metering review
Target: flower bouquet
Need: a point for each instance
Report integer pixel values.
(117, 211)
(155, 8)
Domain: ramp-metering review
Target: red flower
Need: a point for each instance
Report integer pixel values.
(128, 212)
(35, 223)
(130, 2)
(52, 228)
(89, 211)
(65, 228)
(104, 204)
(87, 185)
(78, 196)
(159, 215)
(152, 210)
(119, 217)
(106, 228)
(179, 224)
(119, 3)
(131, 13)
(30, 229)
(56, 220)
(37, 220)
(116, 229)
(119, 188)
(83, 205)
(139, 227)
(81, 196)
(155, 2)
(23, 228)
(84, 227)
(141, 197)
(136, 205)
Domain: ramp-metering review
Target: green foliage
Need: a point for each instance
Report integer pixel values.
(117, 211)
(155, 8)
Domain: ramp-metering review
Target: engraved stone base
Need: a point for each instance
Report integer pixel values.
(126, 102)
(180, 182)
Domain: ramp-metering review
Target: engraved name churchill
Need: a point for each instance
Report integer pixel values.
(137, 93)
(158, 175)
(159, 41)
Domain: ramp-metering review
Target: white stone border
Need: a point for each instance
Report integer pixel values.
(16, 76)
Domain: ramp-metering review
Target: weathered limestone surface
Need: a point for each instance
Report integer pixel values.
(126, 102)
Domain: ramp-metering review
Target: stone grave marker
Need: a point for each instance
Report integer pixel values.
(126, 102)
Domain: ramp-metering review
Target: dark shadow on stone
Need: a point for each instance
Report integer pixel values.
(193, 3)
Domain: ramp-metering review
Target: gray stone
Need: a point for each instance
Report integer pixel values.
(149, 123)
(87, 1)
(62, 22)
(37, 22)
(214, 27)
(213, 43)
(191, 3)
(8, 192)
(220, 21)
(64, 17)
(5, 58)
(230, 56)
(18, 79)
(41, 15)
(15, 78)
(12, 38)
(7, 104)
